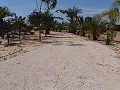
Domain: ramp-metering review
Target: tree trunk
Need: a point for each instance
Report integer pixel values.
(60, 30)
(47, 32)
(19, 34)
(39, 35)
(3, 33)
(83, 33)
(94, 38)
(108, 41)
(8, 38)
(94, 35)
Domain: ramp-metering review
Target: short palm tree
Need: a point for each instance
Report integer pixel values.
(114, 16)
(94, 26)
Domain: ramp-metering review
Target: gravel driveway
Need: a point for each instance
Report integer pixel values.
(67, 64)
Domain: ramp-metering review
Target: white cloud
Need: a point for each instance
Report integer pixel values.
(22, 6)
(92, 10)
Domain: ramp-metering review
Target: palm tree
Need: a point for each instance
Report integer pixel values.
(112, 14)
(84, 24)
(59, 26)
(94, 26)
(72, 14)
(116, 3)
(87, 25)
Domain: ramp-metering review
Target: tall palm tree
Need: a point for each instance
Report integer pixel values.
(72, 14)
(114, 16)
(116, 3)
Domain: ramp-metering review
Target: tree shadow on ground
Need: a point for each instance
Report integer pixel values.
(46, 42)
(67, 43)
(76, 45)
(63, 37)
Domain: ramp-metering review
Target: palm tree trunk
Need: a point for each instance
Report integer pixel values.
(47, 31)
(3, 33)
(108, 41)
(94, 35)
(83, 33)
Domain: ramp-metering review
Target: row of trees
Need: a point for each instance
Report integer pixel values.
(94, 26)
(44, 19)
(10, 25)
(38, 18)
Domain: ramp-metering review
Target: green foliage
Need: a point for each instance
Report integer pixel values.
(43, 20)
(98, 26)
(4, 12)
(112, 14)
(83, 24)
(72, 14)
(59, 26)
(110, 34)
(116, 3)
(18, 22)
(35, 18)
(93, 26)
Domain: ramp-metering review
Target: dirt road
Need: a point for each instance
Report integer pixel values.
(66, 64)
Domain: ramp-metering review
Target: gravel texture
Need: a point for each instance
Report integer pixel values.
(67, 64)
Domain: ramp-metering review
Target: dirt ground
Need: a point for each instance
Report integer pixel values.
(68, 63)
(116, 42)
(31, 42)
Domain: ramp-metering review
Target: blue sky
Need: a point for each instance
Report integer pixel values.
(90, 7)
